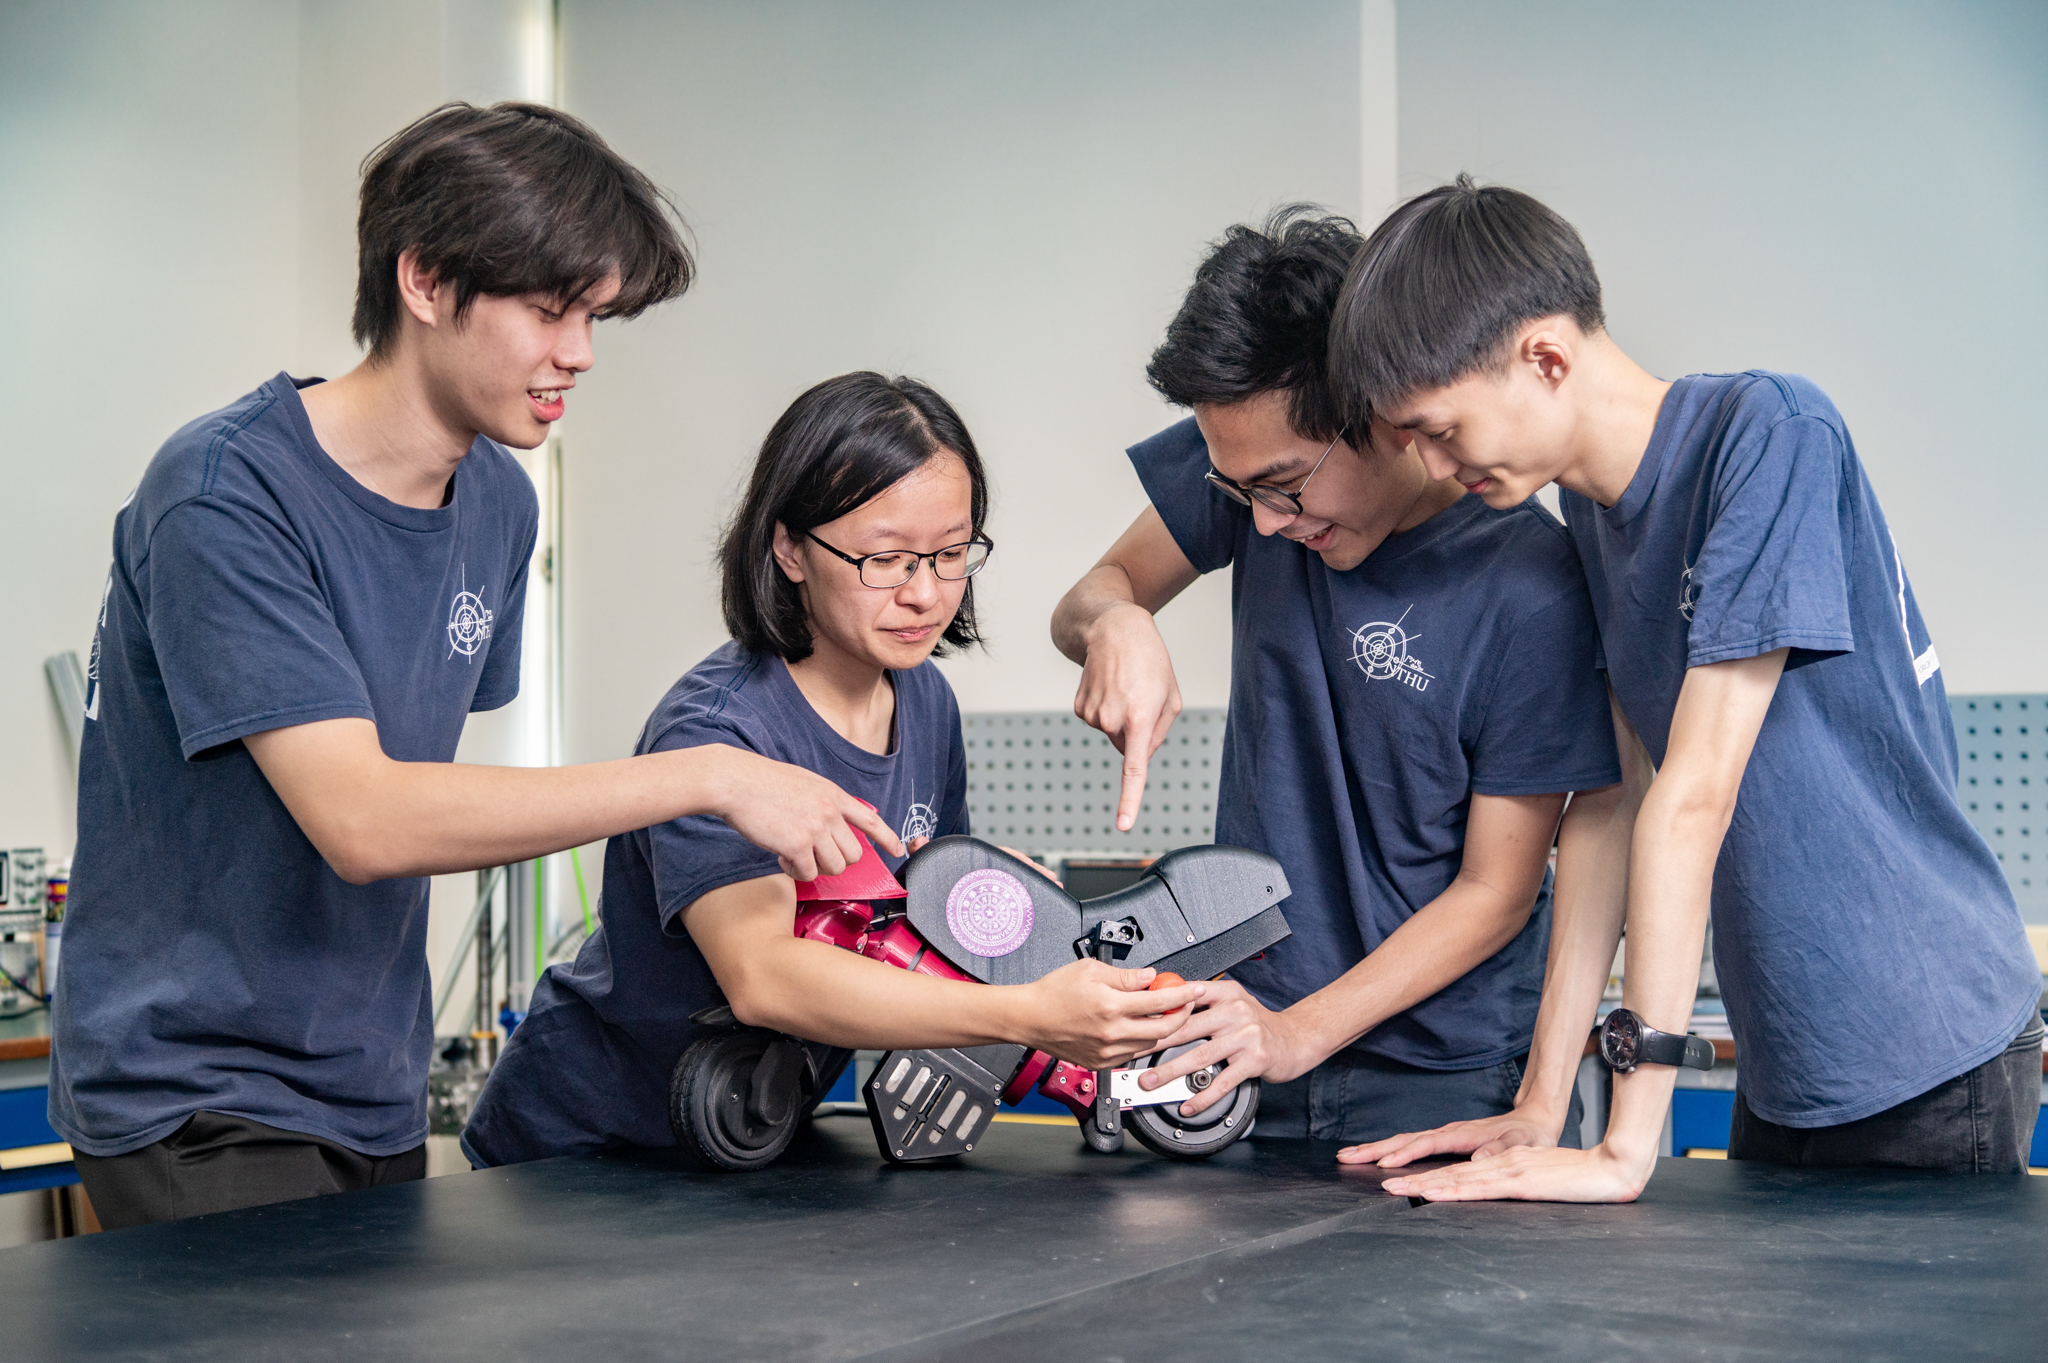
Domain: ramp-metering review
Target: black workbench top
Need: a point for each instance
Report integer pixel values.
(1032, 1248)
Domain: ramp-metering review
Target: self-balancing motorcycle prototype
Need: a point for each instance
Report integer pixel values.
(967, 910)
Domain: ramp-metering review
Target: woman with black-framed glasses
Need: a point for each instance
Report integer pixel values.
(891, 568)
(847, 566)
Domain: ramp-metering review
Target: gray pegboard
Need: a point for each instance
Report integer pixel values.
(2002, 747)
(1042, 781)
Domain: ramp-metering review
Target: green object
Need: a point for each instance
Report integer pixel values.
(581, 893)
(540, 930)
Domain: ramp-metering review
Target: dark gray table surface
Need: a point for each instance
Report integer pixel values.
(1033, 1248)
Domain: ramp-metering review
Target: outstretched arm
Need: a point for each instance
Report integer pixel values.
(1104, 623)
(1507, 843)
(1685, 815)
(373, 818)
(1588, 903)
(1088, 1013)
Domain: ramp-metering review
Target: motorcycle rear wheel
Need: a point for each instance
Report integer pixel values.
(1161, 1129)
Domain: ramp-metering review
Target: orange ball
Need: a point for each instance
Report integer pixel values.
(1165, 979)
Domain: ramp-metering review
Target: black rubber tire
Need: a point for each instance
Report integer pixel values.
(727, 1113)
(1161, 1129)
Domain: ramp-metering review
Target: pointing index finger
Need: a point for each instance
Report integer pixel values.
(1137, 756)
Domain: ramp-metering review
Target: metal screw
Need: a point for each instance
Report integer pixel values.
(1230, 1121)
(1179, 1134)
(970, 1146)
(899, 1152)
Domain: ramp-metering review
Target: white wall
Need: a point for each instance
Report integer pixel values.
(148, 258)
(1853, 191)
(178, 224)
(1005, 200)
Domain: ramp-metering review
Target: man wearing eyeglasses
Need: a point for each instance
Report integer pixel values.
(1403, 731)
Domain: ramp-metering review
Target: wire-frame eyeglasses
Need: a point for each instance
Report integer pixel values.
(1272, 498)
(894, 567)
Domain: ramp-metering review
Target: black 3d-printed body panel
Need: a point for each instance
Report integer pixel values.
(996, 918)
(928, 1104)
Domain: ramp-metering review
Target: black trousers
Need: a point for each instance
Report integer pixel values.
(1980, 1122)
(219, 1163)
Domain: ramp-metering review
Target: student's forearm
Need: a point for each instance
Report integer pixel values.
(425, 818)
(1678, 838)
(1441, 942)
(1106, 588)
(372, 818)
(1678, 834)
(1589, 902)
(823, 993)
(1507, 841)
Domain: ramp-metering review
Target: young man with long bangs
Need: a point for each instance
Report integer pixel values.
(1760, 634)
(311, 589)
(1402, 735)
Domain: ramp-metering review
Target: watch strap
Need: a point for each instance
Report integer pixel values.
(1669, 1048)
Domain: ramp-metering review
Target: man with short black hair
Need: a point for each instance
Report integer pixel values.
(1758, 630)
(311, 589)
(1402, 737)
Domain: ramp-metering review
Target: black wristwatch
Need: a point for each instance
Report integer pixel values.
(1626, 1041)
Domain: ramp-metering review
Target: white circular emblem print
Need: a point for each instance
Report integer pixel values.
(469, 622)
(921, 822)
(989, 912)
(1379, 649)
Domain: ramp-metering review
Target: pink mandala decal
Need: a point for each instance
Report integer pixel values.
(989, 912)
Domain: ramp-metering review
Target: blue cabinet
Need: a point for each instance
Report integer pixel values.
(24, 1120)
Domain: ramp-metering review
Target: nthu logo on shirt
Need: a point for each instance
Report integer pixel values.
(469, 620)
(1381, 651)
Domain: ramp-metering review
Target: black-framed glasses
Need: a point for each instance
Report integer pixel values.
(894, 567)
(1272, 498)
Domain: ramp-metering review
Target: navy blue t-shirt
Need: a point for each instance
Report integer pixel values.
(212, 960)
(589, 1067)
(1866, 943)
(1366, 708)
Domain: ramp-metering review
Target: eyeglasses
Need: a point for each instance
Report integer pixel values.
(1272, 498)
(894, 567)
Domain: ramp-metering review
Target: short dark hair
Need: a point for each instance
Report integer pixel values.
(1442, 285)
(1257, 319)
(513, 199)
(842, 444)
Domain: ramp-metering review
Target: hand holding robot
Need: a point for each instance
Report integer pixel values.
(970, 911)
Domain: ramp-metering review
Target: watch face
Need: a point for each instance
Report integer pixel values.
(1622, 1039)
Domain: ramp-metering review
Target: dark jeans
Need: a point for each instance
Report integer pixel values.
(1980, 1122)
(1354, 1097)
(218, 1163)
